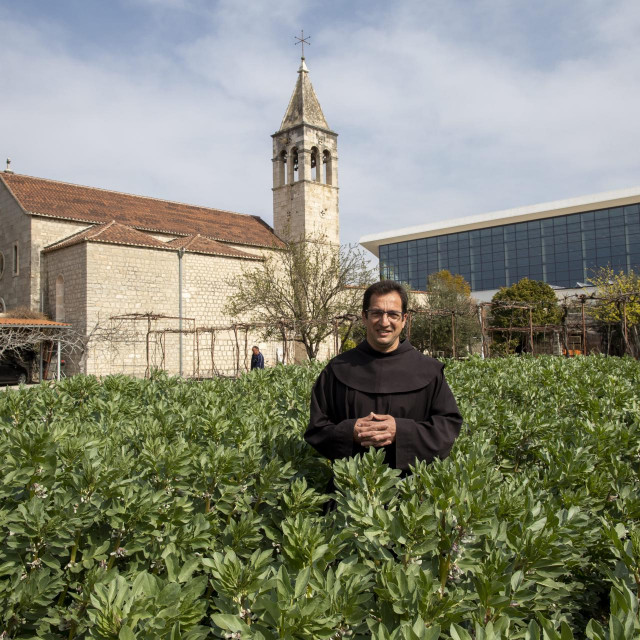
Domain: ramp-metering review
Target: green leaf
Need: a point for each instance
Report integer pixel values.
(230, 622)
(187, 569)
(458, 633)
(126, 633)
(301, 582)
(565, 631)
(533, 631)
(594, 631)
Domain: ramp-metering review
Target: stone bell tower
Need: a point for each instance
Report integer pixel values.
(305, 170)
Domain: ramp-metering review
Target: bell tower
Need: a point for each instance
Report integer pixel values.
(305, 170)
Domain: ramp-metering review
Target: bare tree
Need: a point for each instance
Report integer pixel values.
(308, 284)
(23, 342)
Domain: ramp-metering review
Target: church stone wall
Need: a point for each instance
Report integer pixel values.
(128, 280)
(44, 232)
(321, 212)
(69, 263)
(15, 227)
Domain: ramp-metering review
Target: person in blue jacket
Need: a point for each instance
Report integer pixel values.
(257, 359)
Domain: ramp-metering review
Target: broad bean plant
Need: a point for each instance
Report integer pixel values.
(166, 508)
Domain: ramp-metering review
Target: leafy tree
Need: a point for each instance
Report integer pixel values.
(448, 295)
(617, 306)
(307, 284)
(539, 304)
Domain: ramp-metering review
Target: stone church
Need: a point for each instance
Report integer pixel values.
(113, 264)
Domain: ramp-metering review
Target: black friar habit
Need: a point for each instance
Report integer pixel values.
(404, 384)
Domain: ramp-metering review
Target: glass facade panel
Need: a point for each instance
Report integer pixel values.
(561, 251)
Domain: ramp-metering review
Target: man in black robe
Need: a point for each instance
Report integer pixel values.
(383, 393)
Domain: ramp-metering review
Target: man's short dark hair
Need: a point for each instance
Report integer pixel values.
(255, 346)
(383, 287)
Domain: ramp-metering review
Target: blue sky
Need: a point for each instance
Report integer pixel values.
(444, 108)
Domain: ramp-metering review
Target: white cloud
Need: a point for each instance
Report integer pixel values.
(443, 108)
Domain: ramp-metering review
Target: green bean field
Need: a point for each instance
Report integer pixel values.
(166, 508)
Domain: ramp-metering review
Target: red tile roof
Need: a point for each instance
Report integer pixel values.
(112, 233)
(88, 204)
(116, 233)
(30, 322)
(200, 244)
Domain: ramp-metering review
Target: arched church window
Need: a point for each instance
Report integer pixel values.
(294, 172)
(60, 299)
(315, 164)
(327, 168)
(282, 169)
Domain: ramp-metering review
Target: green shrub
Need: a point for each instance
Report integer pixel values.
(165, 508)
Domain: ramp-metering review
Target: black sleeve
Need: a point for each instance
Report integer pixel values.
(326, 433)
(434, 436)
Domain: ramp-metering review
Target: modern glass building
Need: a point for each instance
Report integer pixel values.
(560, 243)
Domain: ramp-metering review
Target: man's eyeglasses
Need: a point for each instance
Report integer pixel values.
(378, 314)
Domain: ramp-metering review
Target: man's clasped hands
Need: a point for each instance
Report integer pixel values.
(375, 430)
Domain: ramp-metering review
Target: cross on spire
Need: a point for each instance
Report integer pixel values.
(302, 40)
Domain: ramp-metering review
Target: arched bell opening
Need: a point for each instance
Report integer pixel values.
(327, 168)
(316, 171)
(282, 169)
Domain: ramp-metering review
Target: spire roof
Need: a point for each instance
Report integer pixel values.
(304, 107)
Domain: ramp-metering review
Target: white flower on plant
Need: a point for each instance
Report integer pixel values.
(40, 491)
(454, 571)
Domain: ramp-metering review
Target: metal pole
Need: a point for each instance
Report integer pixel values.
(531, 329)
(584, 329)
(41, 364)
(180, 254)
(148, 369)
(624, 326)
(453, 334)
(58, 360)
(482, 336)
